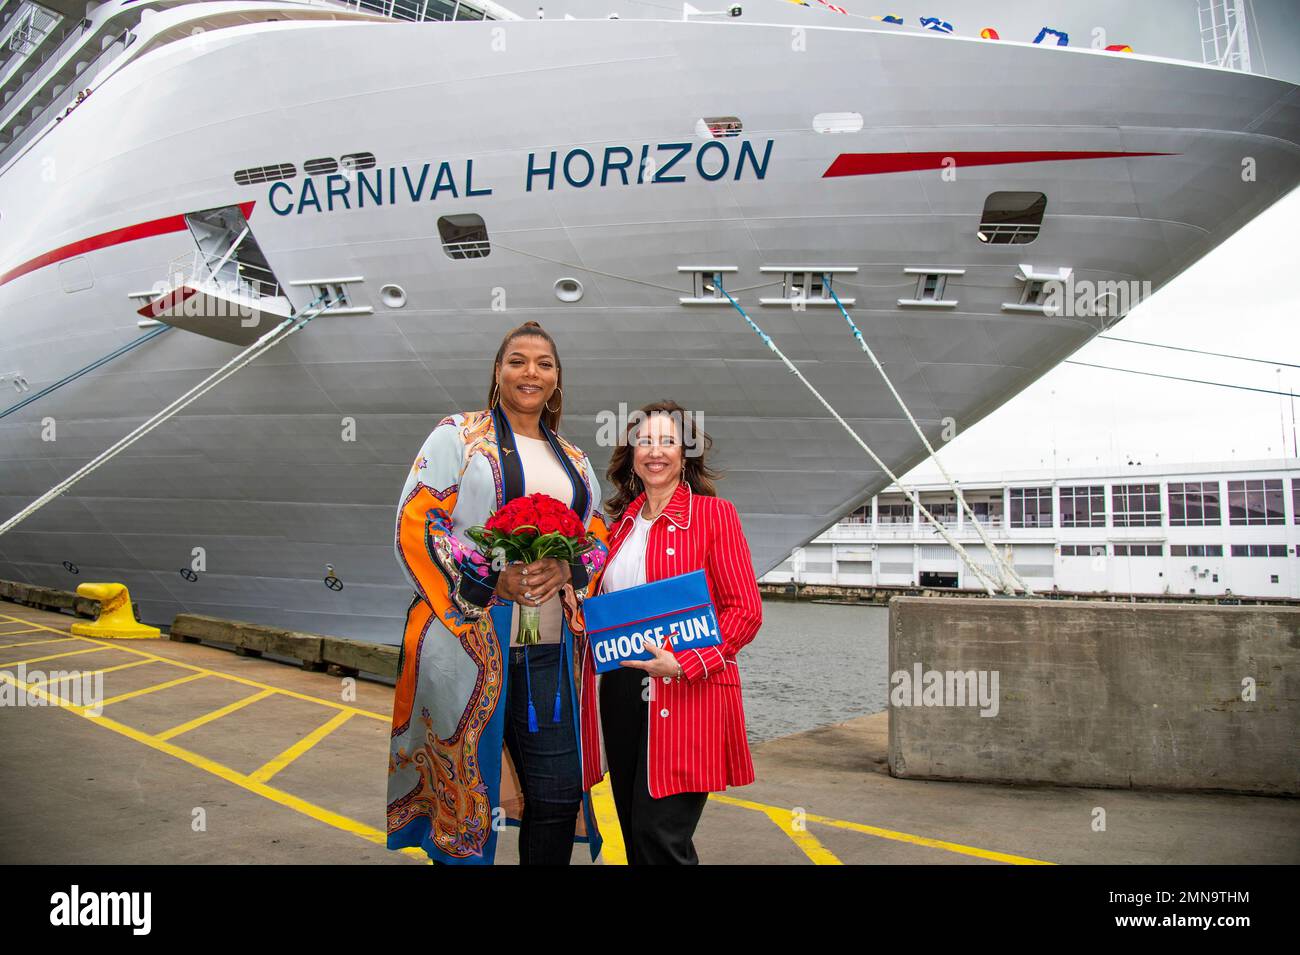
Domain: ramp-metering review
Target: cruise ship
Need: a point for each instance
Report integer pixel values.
(432, 173)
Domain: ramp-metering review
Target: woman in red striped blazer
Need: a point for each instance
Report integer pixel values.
(672, 728)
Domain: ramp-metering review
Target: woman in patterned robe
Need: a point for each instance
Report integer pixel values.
(452, 781)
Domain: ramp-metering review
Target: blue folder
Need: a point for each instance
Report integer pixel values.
(677, 610)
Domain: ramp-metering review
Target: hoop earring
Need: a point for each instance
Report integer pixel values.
(496, 391)
(555, 410)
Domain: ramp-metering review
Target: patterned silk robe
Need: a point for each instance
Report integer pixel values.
(451, 783)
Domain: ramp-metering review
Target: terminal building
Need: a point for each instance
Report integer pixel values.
(1230, 528)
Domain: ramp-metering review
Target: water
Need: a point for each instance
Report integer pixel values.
(814, 664)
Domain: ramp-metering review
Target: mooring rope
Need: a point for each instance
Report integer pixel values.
(275, 336)
(989, 584)
(1010, 579)
(82, 371)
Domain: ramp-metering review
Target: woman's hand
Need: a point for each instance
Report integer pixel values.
(542, 579)
(663, 662)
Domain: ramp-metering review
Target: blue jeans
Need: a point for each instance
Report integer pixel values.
(547, 761)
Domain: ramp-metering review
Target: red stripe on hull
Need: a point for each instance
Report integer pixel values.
(141, 230)
(871, 164)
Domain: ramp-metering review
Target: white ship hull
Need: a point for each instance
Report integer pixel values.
(259, 474)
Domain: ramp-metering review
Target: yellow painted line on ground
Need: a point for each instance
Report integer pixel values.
(273, 766)
(31, 643)
(256, 684)
(153, 689)
(53, 656)
(214, 715)
(886, 833)
(809, 844)
(319, 813)
(78, 674)
(613, 851)
(14, 633)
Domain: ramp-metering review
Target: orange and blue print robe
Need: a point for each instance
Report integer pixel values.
(450, 781)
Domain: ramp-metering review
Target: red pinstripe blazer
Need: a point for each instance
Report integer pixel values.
(697, 725)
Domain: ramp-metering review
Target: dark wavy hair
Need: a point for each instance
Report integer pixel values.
(549, 418)
(621, 476)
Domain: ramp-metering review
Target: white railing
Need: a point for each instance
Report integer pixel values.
(1224, 37)
(1008, 233)
(415, 11)
(230, 278)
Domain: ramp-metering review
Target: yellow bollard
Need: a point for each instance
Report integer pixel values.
(116, 619)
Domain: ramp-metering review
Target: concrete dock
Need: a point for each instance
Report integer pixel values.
(204, 756)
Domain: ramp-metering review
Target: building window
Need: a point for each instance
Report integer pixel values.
(1012, 218)
(1083, 550)
(1136, 505)
(945, 512)
(1139, 550)
(1259, 550)
(1195, 550)
(1255, 502)
(1083, 506)
(861, 515)
(1031, 507)
(895, 513)
(1194, 504)
(464, 236)
(1295, 500)
(988, 513)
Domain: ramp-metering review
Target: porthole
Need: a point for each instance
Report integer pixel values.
(568, 290)
(394, 296)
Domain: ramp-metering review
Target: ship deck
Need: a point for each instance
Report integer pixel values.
(285, 771)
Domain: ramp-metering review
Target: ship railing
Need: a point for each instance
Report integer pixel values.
(25, 34)
(28, 30)
(50, 62)
(416, 11)
(212, 272)
(474, 249)
(1008, 233)
(66, 98)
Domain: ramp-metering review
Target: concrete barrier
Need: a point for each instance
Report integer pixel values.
(47, 598)
(1095, 694)
(314, 651)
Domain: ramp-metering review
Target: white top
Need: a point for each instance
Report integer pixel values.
(543, 474)
(627, 569)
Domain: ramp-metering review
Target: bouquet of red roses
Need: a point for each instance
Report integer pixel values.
(528, 529)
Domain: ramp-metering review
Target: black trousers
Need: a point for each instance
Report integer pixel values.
(655, 831)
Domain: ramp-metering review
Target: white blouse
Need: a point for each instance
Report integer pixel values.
(543, 474)
(627, 569)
